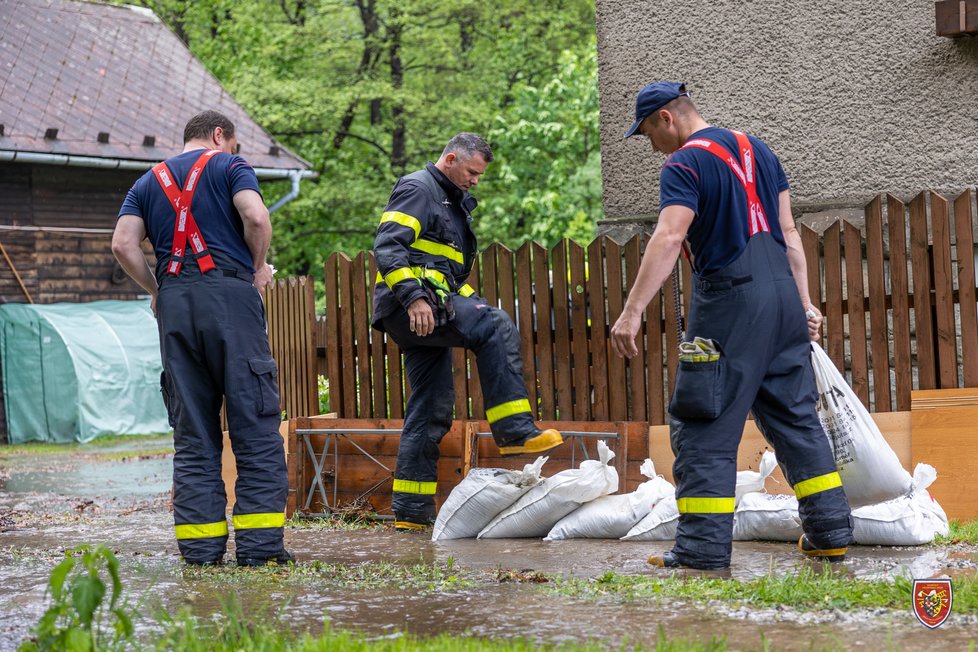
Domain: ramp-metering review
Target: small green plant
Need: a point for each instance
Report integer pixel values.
(323, 383)
(78, 619)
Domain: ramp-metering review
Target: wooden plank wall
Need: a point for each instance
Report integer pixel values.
(899, 305)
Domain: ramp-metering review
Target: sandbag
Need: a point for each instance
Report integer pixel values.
(753, 481)
(611, 517)
(481, 495)
(871, 472)
(767, 517)
(906, 521)
(537, 511)
(660, 524)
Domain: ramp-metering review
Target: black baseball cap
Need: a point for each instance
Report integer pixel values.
(652, 98)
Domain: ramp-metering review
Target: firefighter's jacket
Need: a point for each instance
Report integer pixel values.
(425, 236)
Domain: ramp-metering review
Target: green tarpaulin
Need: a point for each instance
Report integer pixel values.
(74, 371)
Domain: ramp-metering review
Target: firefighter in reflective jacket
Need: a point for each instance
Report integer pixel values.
(425, 249)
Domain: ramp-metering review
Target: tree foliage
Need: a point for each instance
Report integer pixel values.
(367, 90)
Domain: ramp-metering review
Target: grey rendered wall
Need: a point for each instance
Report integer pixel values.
(857, 96)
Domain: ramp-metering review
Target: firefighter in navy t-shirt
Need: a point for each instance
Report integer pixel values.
(747, 343)
(205, 217)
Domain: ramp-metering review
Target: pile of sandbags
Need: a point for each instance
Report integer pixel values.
(536, 512)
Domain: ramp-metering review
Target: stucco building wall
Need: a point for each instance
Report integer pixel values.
(855, 96)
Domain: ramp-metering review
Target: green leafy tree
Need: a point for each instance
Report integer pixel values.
(367, 90)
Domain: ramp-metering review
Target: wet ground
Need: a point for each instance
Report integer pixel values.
(119, 495)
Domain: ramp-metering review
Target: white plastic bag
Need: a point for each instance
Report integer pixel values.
(536, 512)
(611, 517)
(767, 517)
(907, 521)
(752, 481)
(660, 524)
(870, 470)
(481, 495)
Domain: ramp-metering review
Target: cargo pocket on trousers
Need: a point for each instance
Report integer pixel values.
(267, 375)
(699, 381)
(165, 393)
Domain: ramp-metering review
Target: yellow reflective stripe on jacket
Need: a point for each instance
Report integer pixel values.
(412, 487)
(705, 505)
(508, 409)
(438, 249)
(398, 275)
(202, 530)
(404, 220)
(249, 521)
(466, 290)
(817, 484)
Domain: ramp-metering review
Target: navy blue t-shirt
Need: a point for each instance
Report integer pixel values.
(702, 182)
(212, 208)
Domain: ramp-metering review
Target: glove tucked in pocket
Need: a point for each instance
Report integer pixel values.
(699, 380)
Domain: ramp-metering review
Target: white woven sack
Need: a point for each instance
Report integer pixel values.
(611, 517)
(536, 512)
(907, 521)
(870, 470)
(752, 481)
(481, 495)
(660, 524)
(767, 517)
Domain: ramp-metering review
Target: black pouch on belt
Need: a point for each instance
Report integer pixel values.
(699, 380)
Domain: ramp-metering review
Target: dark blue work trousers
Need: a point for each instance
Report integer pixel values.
(491, 335)
(215, 349)
(752, 309)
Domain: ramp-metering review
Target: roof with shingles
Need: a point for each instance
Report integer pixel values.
(86, 68)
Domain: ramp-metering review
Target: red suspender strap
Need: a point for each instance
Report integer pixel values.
(746, 175)
(185, 226)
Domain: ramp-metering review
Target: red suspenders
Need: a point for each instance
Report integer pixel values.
(745, 174)
(185, 226)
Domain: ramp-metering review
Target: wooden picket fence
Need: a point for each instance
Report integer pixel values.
(899, 305)
(290, 309)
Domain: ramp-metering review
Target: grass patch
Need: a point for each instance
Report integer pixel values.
(134, 455)
(78, 447)
(960, 533)
(808, 590)
(370, 575)
(342, 522)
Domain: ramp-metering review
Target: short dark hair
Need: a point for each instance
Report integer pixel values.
(467, 144)
(203, 125)
(682, 106)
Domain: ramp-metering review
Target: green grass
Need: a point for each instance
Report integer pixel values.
(960, 533)
(76, 447)
(807, 590)
(423, 577)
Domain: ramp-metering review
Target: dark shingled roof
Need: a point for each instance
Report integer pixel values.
(87, 69)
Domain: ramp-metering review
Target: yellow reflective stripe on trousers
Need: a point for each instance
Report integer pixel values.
(438, 249)
(249, 521)
(817, 484)
(398, 275)
(412, 487)
(705, 505)
(466, 290)
(504, 410)
(202, 530)
(404, 220)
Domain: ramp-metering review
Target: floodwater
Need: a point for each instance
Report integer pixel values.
(53, 501)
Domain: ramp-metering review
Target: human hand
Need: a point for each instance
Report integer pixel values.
(623, 333)
(814, 322)
(263, 276)
(421, 317)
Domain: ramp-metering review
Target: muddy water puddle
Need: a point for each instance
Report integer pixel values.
(130, 515)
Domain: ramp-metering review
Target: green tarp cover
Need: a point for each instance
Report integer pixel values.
(74, 371)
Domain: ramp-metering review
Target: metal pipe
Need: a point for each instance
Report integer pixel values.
(44, 158)
(294, 175)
